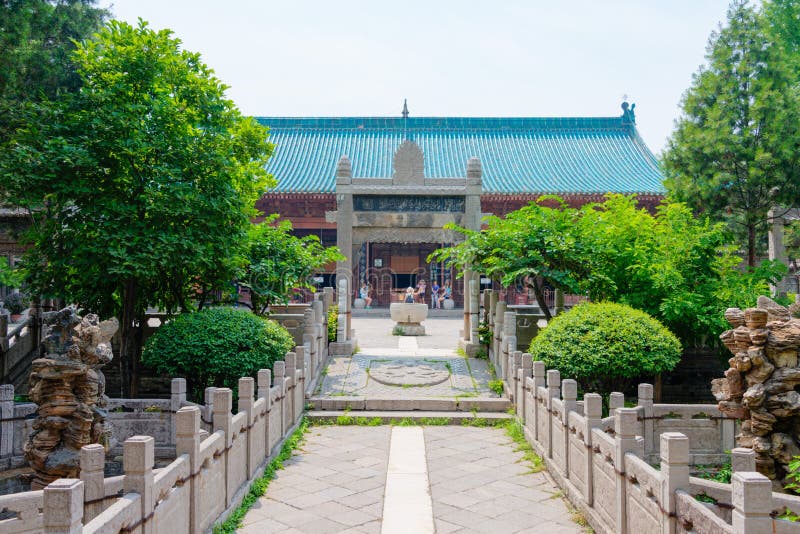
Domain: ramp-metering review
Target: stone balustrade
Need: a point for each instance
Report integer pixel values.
(605, 465)
(217, 454)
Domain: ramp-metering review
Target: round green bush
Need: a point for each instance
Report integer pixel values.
(216, 347)
(605, 346)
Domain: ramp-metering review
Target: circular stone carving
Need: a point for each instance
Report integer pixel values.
(409, 372)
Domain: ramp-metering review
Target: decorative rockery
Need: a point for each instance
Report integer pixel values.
(762, 386)
(69, 388)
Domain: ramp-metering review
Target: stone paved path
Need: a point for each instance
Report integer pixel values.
(379, 350)
(478, 485)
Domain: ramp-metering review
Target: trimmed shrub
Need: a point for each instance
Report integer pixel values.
(605, 346)
(216, 347)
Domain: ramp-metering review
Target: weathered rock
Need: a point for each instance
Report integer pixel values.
(783, 448)
(761, 422)
(735, 317)
(776, 311)
(755, 318)
(759, 374)
(765, 342)
(69, 389)
(758, 336)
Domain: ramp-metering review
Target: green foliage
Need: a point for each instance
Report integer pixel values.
(532, 244)
(721, 474)
(216, 347)
(10, 276)
(485, 334)
(397, 330)
(672, 265)
(16, 303)
(793, 475)
(260, 485)
(140, 185)
(278, 262)
(333, 322)
(496, 386)
(734, 152)
(37, 38)
(604, 346)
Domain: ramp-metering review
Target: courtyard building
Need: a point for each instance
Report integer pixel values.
(383, 188)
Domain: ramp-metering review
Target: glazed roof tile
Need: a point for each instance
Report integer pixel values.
(518, 155)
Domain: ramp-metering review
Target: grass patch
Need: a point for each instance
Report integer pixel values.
(259, 486)
(516, 432)
(397, 331)
(496, 385)
(461, 352)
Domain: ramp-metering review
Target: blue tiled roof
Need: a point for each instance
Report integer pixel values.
(519, 155)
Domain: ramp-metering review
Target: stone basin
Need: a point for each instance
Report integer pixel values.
(408, 317)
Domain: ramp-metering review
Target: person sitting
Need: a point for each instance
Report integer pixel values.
(409, 298)
(363, 292)
(447, 294)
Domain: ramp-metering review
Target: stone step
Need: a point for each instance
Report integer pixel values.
(461, 404)
(420, 417)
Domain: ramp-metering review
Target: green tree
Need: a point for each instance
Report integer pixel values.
(734, 152)
(671, 264)
(278, 262)
(536, 244)
(677, 267)
(140, 185)
(36, 40)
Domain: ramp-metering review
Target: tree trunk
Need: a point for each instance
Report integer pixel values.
(540, 300)
(130, 340)
(751, 245)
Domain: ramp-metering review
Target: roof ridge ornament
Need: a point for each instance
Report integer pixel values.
(628, 113)
(404, 113)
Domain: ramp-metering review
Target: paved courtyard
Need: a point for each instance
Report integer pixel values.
(477, 483)
(407, 366)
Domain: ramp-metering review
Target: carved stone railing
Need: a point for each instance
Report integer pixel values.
(217, 455)
(605, 465)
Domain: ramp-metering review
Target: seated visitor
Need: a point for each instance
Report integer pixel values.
(363, 292)
(409, 298)
(447, 293)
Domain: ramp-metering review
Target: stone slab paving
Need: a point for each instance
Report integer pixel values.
(406, 367)
(479, 485)
(336, 483)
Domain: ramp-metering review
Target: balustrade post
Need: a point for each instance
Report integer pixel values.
(569, 403)
(553, 392)
(138, 458)
(752, 503)
(539, 372)
(223, 420)
(245, 404)
(92, 461)
(743, 460)
(593, 411)
(63, 507)
(625, 426)
(187, 441)
(645, 402)
(674, 452)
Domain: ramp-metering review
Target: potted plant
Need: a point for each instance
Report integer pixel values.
(16, 304)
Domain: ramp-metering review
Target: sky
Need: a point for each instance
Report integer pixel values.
(506, 58)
